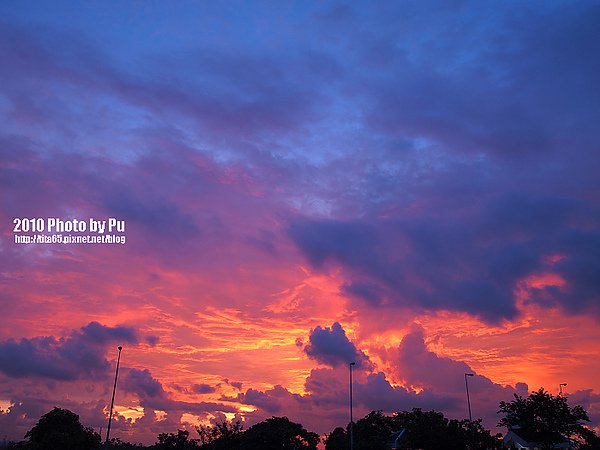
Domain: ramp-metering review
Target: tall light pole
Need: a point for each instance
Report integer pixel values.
(560, 386)
(468, 398)
(112, 402)
(351, 419)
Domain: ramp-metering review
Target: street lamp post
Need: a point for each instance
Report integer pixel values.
(560, 394)
(468, 398)
(351, 418)
(112, 402)
(560, 386)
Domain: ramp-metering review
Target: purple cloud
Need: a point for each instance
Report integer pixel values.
(152, 395)
(470, 264)
(79, 355)
(264, 400)
(203, 388)
(331, 346)
(142, 383)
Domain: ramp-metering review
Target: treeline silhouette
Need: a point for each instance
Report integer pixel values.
(547, 419)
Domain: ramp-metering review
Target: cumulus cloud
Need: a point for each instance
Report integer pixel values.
(331, 346)
(444, 378)
(94, 332)
(142, 383)
(267, 401)
(80, 354)
(423, 368)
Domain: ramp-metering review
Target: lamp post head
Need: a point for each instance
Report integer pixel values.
(120, 348)
(353, 363)
(469, 374)
(560, 386)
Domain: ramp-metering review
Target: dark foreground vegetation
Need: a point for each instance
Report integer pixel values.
(547, 419)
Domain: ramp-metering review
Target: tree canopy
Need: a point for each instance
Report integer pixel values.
(172, 441)
(337, 439)
(279, 433)
(427, 430)
(61, 429)
(545, 419)
(541, 417)
(221, 436)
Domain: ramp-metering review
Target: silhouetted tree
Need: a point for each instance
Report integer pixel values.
(428, 430)
(61, 429)
(545, 419)
(425, 429)
(588, 440)
(118, 444)
(279, 433)
(467, 434)
(221, 436)
(22, 445)
(373, 431)
(338, 439)
(179, 441)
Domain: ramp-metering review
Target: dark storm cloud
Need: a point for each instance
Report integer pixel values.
(422, 272)
(81, 354)
(469, 263)
(370, 292)
(331, 346)
(581, 269)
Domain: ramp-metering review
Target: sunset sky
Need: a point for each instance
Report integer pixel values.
(411, 185)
